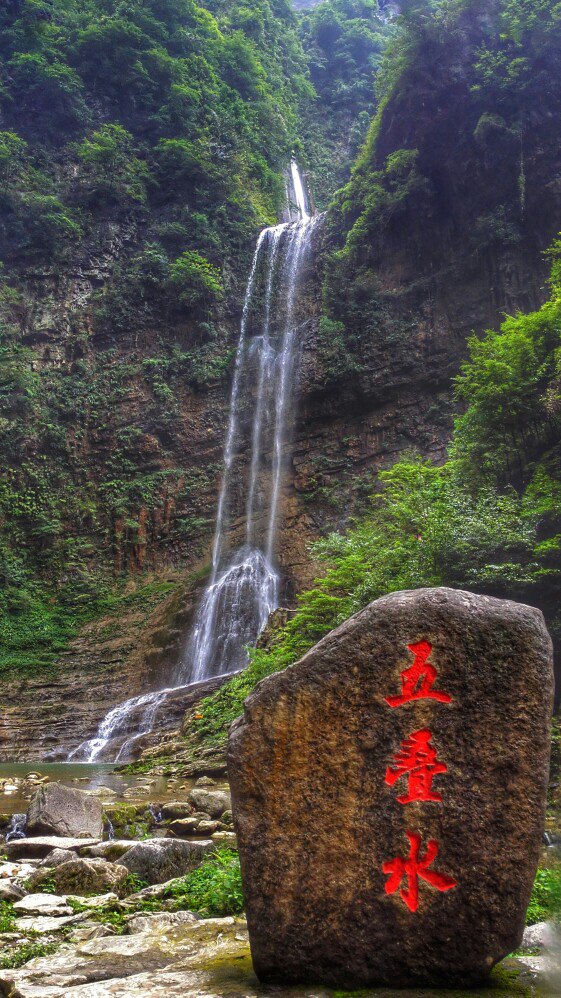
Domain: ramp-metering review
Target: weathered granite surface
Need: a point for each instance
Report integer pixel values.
(327, 806)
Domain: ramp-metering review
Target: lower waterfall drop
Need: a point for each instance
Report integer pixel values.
(243, 588)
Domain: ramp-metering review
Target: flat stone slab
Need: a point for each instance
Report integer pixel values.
(87, 967)
(48, 923)
(112, 849)
(41, 845)
(43, 904)
(389, 794)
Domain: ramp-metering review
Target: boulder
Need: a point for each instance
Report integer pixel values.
(225, 839)
(81, 876)
(184, 826)
(58, 810)
(42, 845)
(389, 794)
(212, 802)
(92, 931)
(58, 856)
(208, 827)
(11, 870)
(10, 891)
(153, 893)
(176, 809)
(538, 937)
(157, 860)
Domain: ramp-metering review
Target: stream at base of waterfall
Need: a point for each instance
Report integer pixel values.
(243, 588)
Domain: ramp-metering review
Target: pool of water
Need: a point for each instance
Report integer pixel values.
(16, 787)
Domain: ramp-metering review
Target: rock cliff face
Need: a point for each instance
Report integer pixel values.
(464, 246)
(440, 232)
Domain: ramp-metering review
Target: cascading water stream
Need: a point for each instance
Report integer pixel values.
(243, 588)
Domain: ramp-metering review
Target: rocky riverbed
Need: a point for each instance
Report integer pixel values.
(85, 914)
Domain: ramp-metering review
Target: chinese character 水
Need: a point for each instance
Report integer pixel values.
(413, 869)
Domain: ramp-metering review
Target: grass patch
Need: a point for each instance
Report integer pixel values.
(27, 951)
(214, 889)
(545, 901)
(7, 917)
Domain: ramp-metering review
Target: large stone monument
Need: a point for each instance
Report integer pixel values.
(389, 794)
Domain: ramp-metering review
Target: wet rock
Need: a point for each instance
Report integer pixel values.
(157, 860)
(177, 809)
(208, 827)
(43, 904)
(64, 811)
(328, 898)
(41, 846)
(81, 876)
(205, 781)
(184, 827)
(213, 802)
(104, 792)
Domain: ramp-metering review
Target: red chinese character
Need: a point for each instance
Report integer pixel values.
(413, 868)
(417, 680)
(418, 758)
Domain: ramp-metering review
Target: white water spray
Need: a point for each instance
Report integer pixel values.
(243, 588)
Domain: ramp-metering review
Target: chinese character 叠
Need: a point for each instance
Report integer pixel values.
(417, 680)
(413, 868)
(417, 757)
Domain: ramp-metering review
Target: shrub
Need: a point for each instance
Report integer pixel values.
(111, 168)
(214, 889)
(195, 280)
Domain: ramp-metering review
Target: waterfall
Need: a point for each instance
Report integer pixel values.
(243, 588)
(17, 827)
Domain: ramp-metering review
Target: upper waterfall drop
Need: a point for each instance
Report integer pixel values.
(244, 582)
(299, 192)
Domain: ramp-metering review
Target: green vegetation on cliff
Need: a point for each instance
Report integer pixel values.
(344, 41)
(469, 93)
(141, 148)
